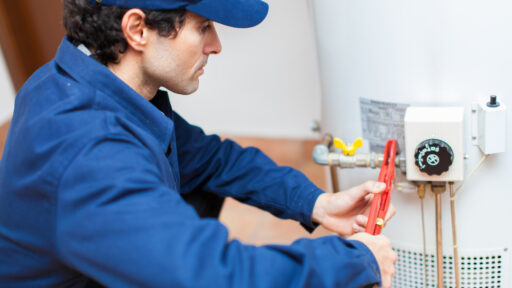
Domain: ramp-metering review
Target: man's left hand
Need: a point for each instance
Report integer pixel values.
(346, 212)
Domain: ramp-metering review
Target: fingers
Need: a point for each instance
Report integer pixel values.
(359, 224)
(374, 187)
(367, 188)
(391, 213)
(388, 258)
(362, 220)
(357, 228)
(388, 275)
(368, 197)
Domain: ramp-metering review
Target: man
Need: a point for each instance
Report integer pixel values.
(95, 179)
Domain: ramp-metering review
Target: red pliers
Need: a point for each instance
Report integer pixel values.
(380, 202)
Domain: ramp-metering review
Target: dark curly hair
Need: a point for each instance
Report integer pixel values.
(98, 27)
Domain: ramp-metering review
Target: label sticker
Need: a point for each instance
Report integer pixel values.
(382, 121)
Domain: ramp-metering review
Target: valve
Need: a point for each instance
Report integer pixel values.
(348, 149)
(433, 156)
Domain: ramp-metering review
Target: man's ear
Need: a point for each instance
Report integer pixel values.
(135, 29)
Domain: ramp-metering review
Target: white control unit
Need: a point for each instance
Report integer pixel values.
(489, 127)
(434, 143)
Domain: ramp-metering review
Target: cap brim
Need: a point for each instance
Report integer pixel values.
(234, 13)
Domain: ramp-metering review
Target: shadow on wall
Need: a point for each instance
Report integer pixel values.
(3, 135)
(30, 32)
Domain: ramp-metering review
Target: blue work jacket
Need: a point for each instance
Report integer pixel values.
(93, 183)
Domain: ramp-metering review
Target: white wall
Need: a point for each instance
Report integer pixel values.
(6, 92)
(265, 81)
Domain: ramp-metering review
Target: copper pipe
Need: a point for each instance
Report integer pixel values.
(439, 242)
(334, 179)
(454, 233)
(327, 140)
(421, 195)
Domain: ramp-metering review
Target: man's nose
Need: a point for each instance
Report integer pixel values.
(212, 45)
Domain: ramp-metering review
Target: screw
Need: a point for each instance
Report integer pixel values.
(315, 126)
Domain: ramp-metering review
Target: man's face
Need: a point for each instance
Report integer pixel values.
(177, 62)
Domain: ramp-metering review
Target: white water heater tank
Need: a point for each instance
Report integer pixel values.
(376, 59)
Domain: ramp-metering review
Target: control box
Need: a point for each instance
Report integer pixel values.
(489, 127)
(434, 146)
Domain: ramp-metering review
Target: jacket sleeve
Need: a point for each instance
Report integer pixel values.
(246, 174)
(117, 223)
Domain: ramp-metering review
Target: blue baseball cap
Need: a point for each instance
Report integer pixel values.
(235, 13)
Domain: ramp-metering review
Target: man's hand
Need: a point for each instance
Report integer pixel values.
(381, 249)
(347, 212)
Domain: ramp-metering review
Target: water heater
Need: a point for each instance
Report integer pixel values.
(423, 72)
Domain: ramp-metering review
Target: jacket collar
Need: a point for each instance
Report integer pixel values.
(87, 70)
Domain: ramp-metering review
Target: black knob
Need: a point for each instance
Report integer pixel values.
(493, 102)
(433, 156)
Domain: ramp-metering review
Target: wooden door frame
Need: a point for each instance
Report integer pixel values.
(15, 32)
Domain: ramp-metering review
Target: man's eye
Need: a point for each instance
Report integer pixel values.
(205, 27)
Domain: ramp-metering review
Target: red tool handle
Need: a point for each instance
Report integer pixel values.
(380, 202)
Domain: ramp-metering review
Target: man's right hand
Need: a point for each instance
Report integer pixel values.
(381, 249)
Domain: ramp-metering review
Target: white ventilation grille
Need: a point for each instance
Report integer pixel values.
(478, 269)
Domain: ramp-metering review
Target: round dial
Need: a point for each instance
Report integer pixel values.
(433, 156)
